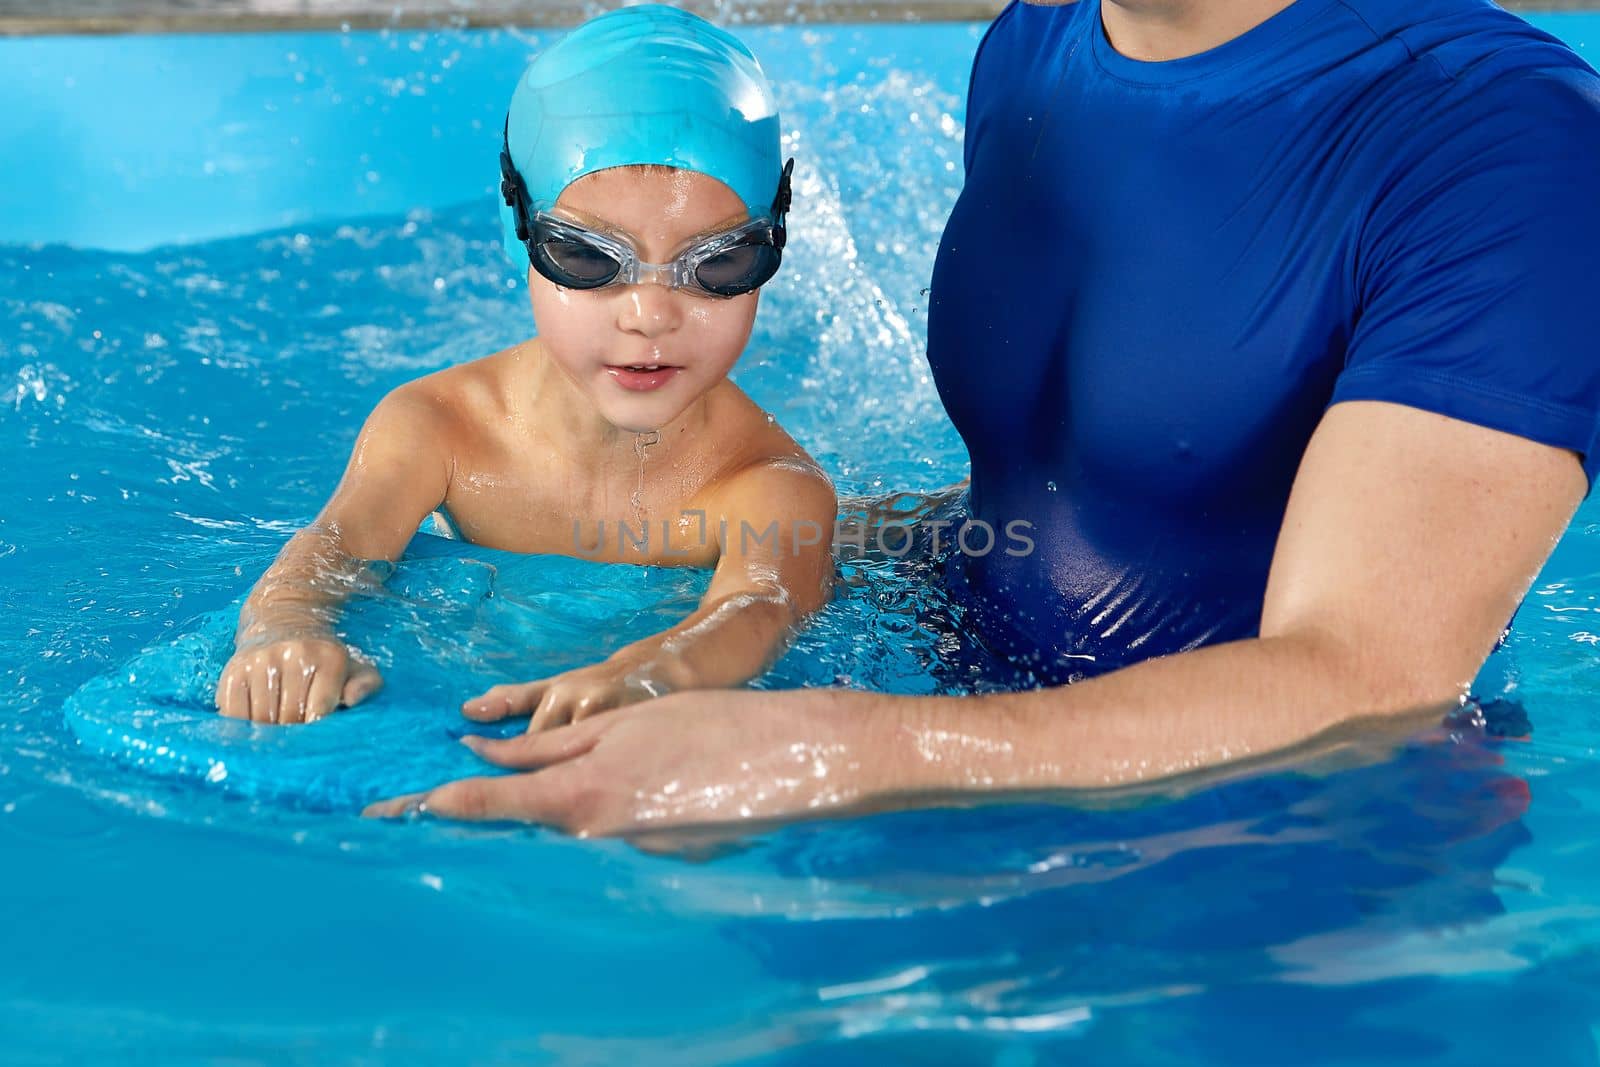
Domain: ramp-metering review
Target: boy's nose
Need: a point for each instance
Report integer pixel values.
(650, 309)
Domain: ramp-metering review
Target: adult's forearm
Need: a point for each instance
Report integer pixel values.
(1177, 715)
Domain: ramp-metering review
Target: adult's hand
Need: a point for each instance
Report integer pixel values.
(700, 758)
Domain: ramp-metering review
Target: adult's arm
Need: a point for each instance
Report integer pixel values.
(1409, 540)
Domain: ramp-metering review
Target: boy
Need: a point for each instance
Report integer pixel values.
(643, 187)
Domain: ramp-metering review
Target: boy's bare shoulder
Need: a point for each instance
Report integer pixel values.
(752, 437)
(455, 398)
(766, 461)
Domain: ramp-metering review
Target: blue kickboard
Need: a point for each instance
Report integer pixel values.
(450, 621)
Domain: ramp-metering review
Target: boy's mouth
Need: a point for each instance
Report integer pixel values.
(642, 377)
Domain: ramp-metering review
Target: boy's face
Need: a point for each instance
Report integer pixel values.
(608, 340)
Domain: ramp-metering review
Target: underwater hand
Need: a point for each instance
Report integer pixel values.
(698, 758)
(293, 680)
(571, 696)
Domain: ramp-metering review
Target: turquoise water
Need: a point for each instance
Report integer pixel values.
(175, 411)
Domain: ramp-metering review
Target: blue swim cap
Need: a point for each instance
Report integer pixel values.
(645, 84)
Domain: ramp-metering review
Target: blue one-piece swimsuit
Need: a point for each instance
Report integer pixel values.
(1159, 275)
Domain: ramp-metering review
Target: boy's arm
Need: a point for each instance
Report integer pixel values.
(775, 568)
(289, 665)
(395, 477)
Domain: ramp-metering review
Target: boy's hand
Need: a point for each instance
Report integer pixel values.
(294, 680)
(571, 696)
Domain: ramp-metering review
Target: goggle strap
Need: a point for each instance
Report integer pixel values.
(780, 206)
(512, 191)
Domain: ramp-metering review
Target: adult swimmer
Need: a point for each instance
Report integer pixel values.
(1275, 319)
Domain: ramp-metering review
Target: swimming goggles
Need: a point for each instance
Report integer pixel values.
(726, 264)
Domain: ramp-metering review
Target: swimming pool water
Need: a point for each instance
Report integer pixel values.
(170, 413)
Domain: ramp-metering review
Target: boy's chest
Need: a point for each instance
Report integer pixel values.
(650, 519)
